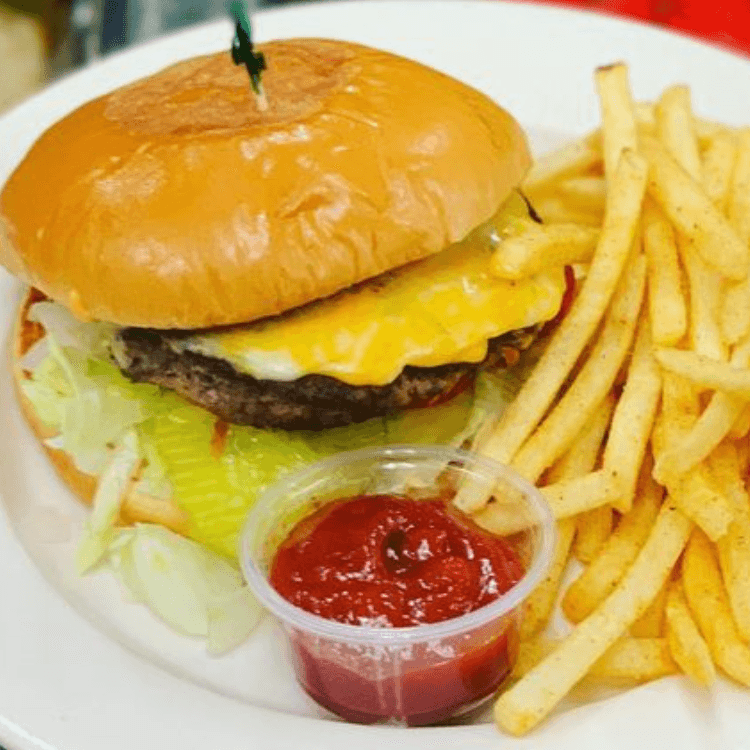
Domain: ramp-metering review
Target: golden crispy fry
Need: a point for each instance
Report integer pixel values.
(734, 546)
(540, 690)
(709, 430)
(530, 653)
(538, 607)
(599, 579)
(579, 460)
(554, 209)
(694, 492)
(718, 166)
(537, 248)
(651, 623)
(705, 372)
(706, 287)
(633, 418)
(574, 332)
(592, 531)
(645, 113)
(585, 193)
(735, 314)
(674, 126)
(591, 386)
(668, 312)
(686, 644)
(741, 426)
(566, 498)
(709, 603)
(573, 159)
(692, 212)
(619, 131)
(583, 454)
(634, 660)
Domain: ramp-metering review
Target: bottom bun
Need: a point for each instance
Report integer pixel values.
(136, 507)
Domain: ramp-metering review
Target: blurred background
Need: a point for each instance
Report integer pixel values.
(40, 39)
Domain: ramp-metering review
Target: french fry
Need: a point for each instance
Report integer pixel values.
(588, 193)
(693, 214)
(619, 130)
(651, 623)
(735, 318)
(592, 531)
(565, 498)
(645, 113)
(741, 426)
(686, 644)
(674, 126)
(709, 430)
(633, 661)
(718, 166)
(579, 460)
(594, 381)
(537, 248)
(709, 604)
(526, 703)
(541, 602)
(633, 419)
(694, 492)
(554, 209)
(706, 286)
(576, 329)
(668, 312)
(706, 373)
(734, 546)
(530, 653)
(603, 574)
(571, 160)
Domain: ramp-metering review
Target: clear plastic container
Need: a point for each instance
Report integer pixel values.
(412, 675)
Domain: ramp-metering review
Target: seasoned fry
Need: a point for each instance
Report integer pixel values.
(619, 131)
(694, 492)
(693, 213)
(587, 193)
(536, 248)
(573, 159)
(718, 166)
(574, 332)
(674, 126)
(705, 372)
(634, 660)
(734, 546)
(686, 644)
(709, 603)
(633, 419)
(709, 430)
(592, 531)
(526, 703)
(599, 579)
(705, 304)
(651, 623)
(566, 498)
(554, 209)
(668, 313)
(594, 381)
(735, 314)
(541, 602)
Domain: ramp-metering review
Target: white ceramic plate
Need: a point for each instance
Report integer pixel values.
(82, 669)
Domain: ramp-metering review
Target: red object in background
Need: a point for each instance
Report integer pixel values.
(726, 22)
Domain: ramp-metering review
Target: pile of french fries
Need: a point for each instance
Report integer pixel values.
(634, 423)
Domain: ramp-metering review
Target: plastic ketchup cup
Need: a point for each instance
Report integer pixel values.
(416, 675)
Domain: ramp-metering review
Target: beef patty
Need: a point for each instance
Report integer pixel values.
(312, 402)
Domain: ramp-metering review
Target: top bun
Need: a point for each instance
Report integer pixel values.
(175, 202)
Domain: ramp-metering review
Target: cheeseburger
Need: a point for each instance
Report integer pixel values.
(233, 283)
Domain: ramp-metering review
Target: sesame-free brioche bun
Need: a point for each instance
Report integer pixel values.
(136, 507)
(175, 202)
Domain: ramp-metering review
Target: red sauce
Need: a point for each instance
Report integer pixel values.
(397, 562)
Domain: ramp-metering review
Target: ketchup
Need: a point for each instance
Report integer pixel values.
(395, 562)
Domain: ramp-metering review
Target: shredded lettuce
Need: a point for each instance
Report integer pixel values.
(193, 590)
(98, 531)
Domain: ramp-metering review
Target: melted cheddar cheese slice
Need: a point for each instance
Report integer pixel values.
(434, 312)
